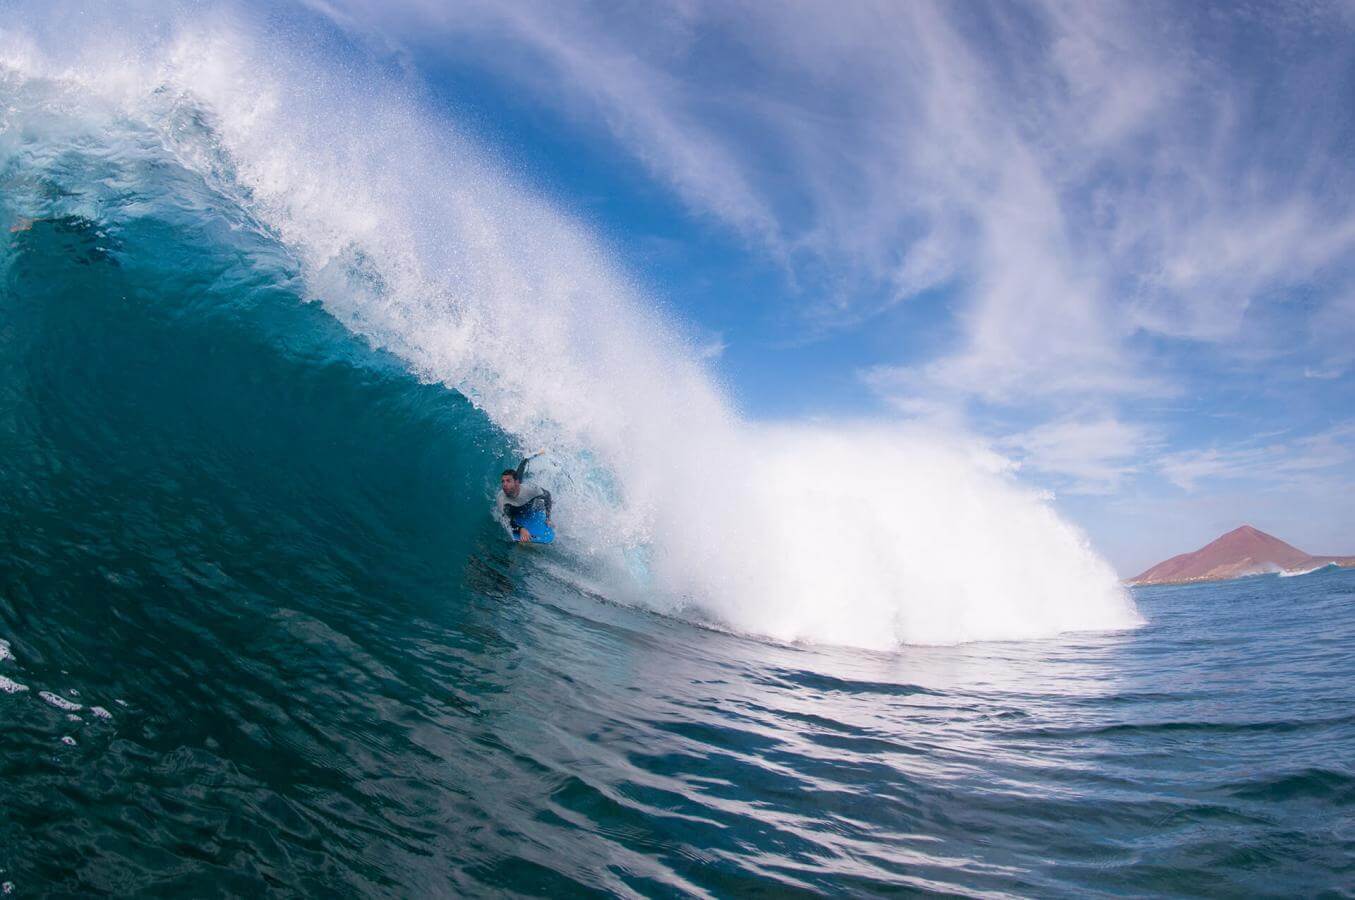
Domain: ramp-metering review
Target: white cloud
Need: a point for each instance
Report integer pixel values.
(1273, 464)
(713, 347)
(1094, 455)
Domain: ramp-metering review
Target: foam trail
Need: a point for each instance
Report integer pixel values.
(411, 238)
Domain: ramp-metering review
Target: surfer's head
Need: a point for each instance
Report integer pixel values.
(509, 482)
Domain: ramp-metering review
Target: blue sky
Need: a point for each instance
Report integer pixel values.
(1115, 240)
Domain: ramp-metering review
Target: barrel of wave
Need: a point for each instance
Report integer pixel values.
(874, 537)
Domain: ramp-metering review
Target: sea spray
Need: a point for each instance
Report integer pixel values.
(862, 535)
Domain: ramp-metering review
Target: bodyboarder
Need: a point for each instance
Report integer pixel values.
(525, 508)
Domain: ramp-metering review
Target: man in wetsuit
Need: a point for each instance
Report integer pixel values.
(522, 505)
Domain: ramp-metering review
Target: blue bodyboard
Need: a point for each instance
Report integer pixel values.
(535, 523)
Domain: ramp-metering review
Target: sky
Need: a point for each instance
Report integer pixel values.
(1115, 240)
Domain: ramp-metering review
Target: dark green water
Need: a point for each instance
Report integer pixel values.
(262, 636)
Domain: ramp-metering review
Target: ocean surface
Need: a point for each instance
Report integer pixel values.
(267, 336)
(218, 701)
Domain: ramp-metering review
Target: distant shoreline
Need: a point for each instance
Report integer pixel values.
(1339, 563)
(1241, 553)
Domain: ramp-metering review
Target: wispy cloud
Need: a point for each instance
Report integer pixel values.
(1269, 464)
(1093, 455)
(712, 346)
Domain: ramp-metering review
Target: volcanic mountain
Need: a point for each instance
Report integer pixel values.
(1241, 552)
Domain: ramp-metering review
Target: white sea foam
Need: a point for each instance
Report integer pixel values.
(411, 238)
(10, 686)
(59, 702)
(5, 652)
(1297, 572)
(100, 713)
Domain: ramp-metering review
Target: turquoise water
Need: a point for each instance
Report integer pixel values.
(263, 635)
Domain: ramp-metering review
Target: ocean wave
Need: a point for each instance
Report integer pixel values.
(1295, 573)
(407, 234)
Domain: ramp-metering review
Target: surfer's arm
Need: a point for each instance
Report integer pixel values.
(522, 466)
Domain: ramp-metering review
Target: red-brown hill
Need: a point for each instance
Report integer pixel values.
(1241, 552)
